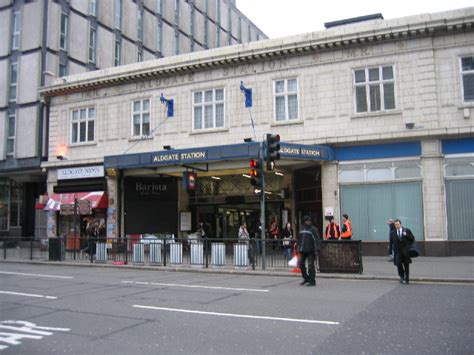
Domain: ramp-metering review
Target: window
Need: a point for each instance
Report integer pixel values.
(249, 33)
(374, 89)
(62, 69)
(92, 45)
(139, 54)
(286, 99)
(176, 42)
(13, 81)
(239, 30)
(93, 7)
(16, 191)
(229, 26)
(140, 25)
(118, 14)
(16, 30)
(11, 129)
(82, 125)
(141, 118)
(4, 203)
(63, 38)
(159, 7)
(176, 12)
(159, 36)
(208, 109)
(192, 28)
(118, 52)
(467, 69)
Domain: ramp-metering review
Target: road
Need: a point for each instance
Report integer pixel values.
(77, 310)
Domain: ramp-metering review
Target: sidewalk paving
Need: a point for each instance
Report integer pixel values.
(423, 269)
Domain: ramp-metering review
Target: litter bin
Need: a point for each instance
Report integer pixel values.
(56, 249)
(344, 256)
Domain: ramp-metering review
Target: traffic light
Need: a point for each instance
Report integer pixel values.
(256, 172)
(272, 150)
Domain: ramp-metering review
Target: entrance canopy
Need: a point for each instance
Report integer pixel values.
(98, 199)
(215, 154)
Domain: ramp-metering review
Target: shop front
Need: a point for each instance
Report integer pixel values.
(77, 210)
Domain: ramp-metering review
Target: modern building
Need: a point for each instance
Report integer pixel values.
(376, 121)
(44, 39)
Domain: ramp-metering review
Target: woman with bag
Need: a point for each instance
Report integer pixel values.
(287, 236)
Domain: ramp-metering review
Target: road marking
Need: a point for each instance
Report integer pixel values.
(28, 295)
(39, 275)
(36, 332)
(237, 315)
(195, 286)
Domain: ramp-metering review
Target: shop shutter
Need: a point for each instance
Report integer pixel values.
(460, 205)
(370, 205)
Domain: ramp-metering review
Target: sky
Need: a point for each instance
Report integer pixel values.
(279, 18)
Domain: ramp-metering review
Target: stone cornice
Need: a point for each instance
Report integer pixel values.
(349, 36)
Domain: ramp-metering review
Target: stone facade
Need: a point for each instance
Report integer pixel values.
(423, 53)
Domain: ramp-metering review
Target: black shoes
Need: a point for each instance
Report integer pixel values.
(311, 284)
(401, 280)
(304, 282)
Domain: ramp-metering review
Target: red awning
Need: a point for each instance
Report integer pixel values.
(98, 199)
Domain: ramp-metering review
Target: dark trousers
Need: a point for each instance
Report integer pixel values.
(309, 276)
(403, 268)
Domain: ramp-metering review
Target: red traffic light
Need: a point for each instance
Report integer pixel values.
(254, 163)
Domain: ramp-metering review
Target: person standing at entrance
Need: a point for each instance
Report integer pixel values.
(346, 228)
(332, 230)
(287, 236)
(402, 239)
(309, 242)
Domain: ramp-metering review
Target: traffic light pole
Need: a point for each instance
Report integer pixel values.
(262, 205)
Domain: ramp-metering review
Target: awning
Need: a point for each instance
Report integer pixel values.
(98, 199)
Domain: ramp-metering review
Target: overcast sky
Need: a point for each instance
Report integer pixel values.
(279, 18)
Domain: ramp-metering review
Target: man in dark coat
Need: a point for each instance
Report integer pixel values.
(402, 238)
(309, 242)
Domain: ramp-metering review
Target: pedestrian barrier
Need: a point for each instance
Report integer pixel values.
(101, 253)
(241, 255)
(176, 253)
(197, 254)
(138, 253)
(217, 254)
(155, 253)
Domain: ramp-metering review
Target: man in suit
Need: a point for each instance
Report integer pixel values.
(402, 238)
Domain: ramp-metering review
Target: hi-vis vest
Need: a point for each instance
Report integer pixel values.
(335, 228)
(348, 233)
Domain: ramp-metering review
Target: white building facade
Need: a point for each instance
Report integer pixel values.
(375, 118)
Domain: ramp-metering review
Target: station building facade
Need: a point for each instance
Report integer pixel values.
(375, 119)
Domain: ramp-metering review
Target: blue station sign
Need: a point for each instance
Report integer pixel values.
(214, 154)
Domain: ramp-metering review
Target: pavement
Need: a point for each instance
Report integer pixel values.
(423, 269)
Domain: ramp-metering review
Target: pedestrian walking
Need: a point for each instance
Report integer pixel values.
(309, 242)
(346, 228)
(402, 239)
(332, 230)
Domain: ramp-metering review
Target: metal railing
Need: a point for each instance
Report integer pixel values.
(159, 251)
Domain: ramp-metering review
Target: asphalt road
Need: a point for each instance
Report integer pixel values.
(78, 310)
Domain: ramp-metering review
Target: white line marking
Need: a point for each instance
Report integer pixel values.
(28, 295)
(237, 315)
(39, 275)
(195, 286)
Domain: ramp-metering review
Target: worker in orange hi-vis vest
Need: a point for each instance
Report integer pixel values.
(346, 228)
(332, 230)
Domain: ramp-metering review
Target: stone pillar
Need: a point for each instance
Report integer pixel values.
(52, 218)
(330, 190)
(434, 200)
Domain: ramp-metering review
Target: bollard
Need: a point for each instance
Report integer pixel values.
(155, 253)
(101, 253)
(138, 253)
(241, 250)
(197, 254)
(176, 253)
(217, 254)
